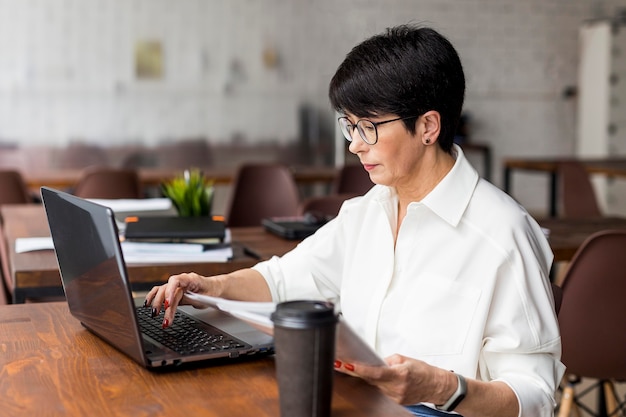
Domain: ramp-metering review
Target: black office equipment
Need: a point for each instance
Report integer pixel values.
(292, 227)
(174, 228)
(97, 288)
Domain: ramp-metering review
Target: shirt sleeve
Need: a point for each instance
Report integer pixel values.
(312, 270)
(522, 343)
(534, 388)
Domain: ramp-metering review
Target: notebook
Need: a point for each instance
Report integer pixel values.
(98, 292)
(173, 228)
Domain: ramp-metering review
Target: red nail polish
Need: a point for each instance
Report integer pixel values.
(166, 323)
(167, 304)
(337, 364)
(349, 367)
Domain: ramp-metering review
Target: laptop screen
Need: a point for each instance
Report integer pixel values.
(92, 269)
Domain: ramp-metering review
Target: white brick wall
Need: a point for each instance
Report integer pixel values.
(66, 68)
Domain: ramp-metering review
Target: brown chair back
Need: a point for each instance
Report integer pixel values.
(259, 191)
(578, 198)
(185, 153)
(6, 287)
(592, 317)
(352, 179)
(325, 205)
(13, 189)
(102, 182)
(79, 155)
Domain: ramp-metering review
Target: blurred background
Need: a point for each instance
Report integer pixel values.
(249, 78)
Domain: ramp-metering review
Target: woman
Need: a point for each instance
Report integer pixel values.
(436, 268)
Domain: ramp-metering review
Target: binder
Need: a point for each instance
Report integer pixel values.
(173, 228)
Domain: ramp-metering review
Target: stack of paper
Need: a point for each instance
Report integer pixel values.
(151, 253)
(146, 253)
(136, 205)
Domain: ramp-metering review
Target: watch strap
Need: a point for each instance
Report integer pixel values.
(458, 395)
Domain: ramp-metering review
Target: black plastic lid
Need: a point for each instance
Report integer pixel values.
(304, 314)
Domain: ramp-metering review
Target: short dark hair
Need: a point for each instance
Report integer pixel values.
(406, 71)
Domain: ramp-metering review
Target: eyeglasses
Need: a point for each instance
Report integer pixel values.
(367, 129)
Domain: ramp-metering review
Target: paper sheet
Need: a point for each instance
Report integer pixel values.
(162, 255)
(30, 244)
(349, 348)
(135, 205)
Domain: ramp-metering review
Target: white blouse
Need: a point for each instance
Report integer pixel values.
(464, 288)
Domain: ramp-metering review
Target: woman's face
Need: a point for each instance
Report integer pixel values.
(395, 159)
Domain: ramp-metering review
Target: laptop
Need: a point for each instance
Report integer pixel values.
(98, 292)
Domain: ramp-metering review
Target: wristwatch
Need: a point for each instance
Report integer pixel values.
(457, 397)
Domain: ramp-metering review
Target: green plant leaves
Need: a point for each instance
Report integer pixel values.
(191, 194)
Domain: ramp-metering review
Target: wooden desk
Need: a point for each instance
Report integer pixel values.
(151, 177)
(52, 366)
(36, 274)
(610, 167)
(566, 235)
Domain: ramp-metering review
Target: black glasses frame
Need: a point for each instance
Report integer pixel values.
(351, 126)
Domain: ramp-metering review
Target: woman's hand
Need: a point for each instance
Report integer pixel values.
(244, 284)
(411, 381)
(405, 380)
(171, 295)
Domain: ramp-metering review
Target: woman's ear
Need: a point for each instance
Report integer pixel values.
(431, 124)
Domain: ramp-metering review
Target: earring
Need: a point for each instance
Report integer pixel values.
(426, 141)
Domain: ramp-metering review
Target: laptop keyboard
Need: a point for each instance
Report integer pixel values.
(185, 335)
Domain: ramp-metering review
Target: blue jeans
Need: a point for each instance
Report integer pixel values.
(420, 410)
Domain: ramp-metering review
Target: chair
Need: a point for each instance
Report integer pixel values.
(325, 205)
(185, 153)
(352, 179)
(259, 191)
(79, 155)
(13, 189)
(592, 319)
(578, 198)
(4, 299)
(102, 182)
(6, 287)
